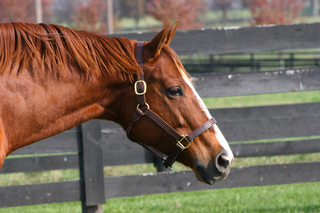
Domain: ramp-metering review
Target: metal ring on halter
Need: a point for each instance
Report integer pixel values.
(145, 104)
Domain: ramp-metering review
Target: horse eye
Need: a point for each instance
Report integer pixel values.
(175, 91)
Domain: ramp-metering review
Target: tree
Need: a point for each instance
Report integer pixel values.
(63, 11)
(90, 15)
(134, 9)
(274, 11)
(224, 5)
(23, 11)
(187, 11)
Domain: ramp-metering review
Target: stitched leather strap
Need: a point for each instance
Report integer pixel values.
(155, 153)
(140, 76)
(167, 162)
(201, 129)
(164, 125)
(140, 87)
(135, 117)
(175, 153)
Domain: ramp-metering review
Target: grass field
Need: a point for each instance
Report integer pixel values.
(263, 100)
(293, 198)
(304, 197)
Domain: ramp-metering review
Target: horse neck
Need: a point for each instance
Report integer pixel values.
(40, 109)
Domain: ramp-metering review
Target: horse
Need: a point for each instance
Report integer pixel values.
(53, 78)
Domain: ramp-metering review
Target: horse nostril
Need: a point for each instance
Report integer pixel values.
(222, 163)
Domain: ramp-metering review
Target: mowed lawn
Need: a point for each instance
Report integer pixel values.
(295, 198)
(302, 197)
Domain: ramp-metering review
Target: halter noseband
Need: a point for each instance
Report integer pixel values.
(140, 88)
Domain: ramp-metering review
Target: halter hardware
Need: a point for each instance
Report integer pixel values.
(144, 87)
(138, 106)
(140, 88)
(181, 145)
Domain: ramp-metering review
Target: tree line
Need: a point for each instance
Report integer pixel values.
(91, 14)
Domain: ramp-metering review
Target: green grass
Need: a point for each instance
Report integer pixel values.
(146, 22)
(284, 159)
(24, 178)
(286, 198)
(293, 198)
(263, 100)
(215, 15)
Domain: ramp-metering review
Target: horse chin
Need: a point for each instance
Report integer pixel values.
(204, 176)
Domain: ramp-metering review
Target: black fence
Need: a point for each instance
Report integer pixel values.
(253, 62)
(100, 143)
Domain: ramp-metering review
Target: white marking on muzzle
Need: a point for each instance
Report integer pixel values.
(223, 142)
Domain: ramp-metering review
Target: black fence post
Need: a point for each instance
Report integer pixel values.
(211, 63)
(91, 167)
(291, 60)
(252, 62)
(158, 164)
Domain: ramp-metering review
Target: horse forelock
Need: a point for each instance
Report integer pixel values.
(52, 48)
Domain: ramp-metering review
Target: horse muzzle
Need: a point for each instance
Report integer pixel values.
(216, 170)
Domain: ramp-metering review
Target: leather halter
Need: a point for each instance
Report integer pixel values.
(140, 88)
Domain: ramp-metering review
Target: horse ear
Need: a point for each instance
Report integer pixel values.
(158, 41)
(171, 33)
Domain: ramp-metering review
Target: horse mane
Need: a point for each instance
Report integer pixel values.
(53, 47)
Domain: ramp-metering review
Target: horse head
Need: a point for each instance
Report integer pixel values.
(74, 76)
(170, 96)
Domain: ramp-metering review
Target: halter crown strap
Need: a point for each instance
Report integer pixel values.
(140, 85)
(140, 88)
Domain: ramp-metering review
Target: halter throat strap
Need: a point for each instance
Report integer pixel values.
(183, 142)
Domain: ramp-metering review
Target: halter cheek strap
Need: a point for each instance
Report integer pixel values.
(140, 88)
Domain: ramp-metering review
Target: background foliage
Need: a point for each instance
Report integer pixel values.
(148, 15)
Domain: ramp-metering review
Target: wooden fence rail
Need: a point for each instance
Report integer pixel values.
(240, 39)
(95, 144)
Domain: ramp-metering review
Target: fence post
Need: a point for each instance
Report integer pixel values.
(91, 167)
(291, 60)
(252, 62)
(211, 63)
(159, 165)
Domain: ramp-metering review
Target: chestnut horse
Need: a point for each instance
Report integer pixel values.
(53, 78)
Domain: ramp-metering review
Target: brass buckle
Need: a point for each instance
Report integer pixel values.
(181, 145)
(144, 87)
